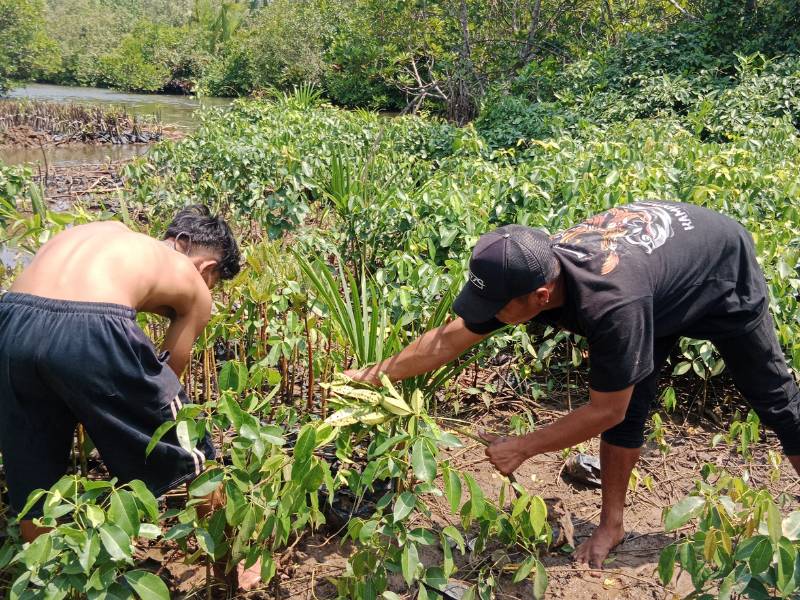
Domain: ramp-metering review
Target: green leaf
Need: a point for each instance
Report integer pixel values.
(434, 577)
(666, 563)
(519, 505)
(233, 376)
(682, 368)
(448, 564)
(761, 557)
(538, 514)
(7, 553)
(235, 504)
(268, 567)
(305, 444)
(791, 526)
(147, 586)
(477, 502)
(145, 496)
(19, 587)
(683, 512)
(179, 531)
(423, 461)
(469, 594)
(774, 523)
(448, 440)
(33, 498)
(540, 582)
(386, 444)
(403, 506)
(726, 587)
(273, 435)
(207, 482)
(89, 552)
(452, 489)
(455, 535)
(417, 402)
(149, 531)
(114, 591)
(409, 562)
(525, 568)
(422, 536)
(229, 407)
(123, 512)
(206, 541)
(745, 549)
(158, 434)
(668, 399)
(184, 436)
(97, 485)
(116, 542)
(95, 515)
(38, 552)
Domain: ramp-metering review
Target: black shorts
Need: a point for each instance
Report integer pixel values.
(759, 371)
(63, 363)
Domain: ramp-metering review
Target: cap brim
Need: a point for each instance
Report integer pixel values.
(474, 308)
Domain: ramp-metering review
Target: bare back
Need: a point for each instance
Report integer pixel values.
(107, 262)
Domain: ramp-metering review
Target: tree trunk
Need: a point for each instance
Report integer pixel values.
(462, 104)
(533, 31)
(608, 16)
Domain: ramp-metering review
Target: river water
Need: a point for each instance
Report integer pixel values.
(177, 111)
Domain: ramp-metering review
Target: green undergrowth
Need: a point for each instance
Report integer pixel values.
(356, 229)
(743, 546)
(405, 199)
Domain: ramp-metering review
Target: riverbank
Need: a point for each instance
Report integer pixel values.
(28, 124)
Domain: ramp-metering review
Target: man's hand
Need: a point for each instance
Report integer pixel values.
(367, 375)
(506, 453)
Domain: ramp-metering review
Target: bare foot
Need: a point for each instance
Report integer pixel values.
(249, 579)
(595, 550)
(243, 580)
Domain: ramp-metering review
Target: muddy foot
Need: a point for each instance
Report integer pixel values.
(595, 550)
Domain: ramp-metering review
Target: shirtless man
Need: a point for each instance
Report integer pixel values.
(71, 352)
(631, 280)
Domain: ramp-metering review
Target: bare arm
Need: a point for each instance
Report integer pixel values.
(192, 313)
(430, 351)
(605, 409)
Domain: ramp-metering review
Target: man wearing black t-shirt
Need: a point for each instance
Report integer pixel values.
(630, 280)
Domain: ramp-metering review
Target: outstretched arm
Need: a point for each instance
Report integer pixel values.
(430, 351)
(605, 409)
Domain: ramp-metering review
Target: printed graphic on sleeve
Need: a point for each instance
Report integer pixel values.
(643, 225)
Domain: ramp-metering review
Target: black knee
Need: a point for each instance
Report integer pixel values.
(625, 435)
(783, 417)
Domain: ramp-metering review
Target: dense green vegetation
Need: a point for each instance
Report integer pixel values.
(356, 230)
(450, 54)
(25, 47)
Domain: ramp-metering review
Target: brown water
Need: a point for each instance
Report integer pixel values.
(177, 111)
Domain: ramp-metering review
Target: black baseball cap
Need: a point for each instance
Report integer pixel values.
(506, 263)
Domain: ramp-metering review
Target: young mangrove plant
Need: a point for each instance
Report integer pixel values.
(742, 545)
(405, 447)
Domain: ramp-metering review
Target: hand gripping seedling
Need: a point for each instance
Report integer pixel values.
(374, 407)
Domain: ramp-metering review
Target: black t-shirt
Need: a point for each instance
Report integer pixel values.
(648, 270)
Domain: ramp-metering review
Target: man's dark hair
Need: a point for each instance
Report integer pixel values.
(209, 231)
